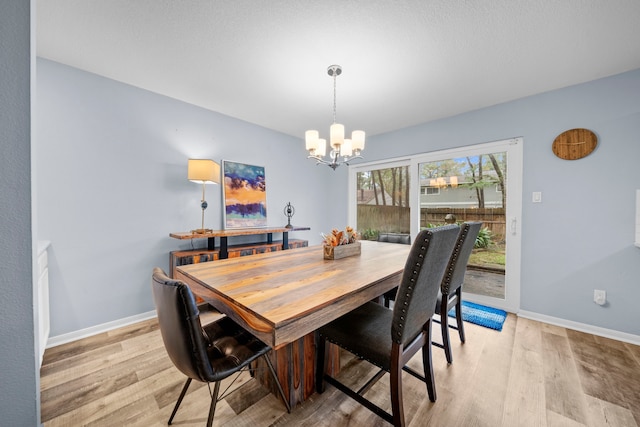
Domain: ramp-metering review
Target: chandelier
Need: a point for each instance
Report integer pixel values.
(346, 148)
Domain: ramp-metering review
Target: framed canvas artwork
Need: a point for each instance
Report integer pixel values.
(244, 193)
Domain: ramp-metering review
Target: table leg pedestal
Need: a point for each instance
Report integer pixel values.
(295, 366)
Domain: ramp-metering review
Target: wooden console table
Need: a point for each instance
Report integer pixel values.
(223, 235)
(194, 256)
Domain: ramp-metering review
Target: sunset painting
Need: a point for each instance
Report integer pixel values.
(245, 195)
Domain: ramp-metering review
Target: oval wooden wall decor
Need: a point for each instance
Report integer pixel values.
(574, 144)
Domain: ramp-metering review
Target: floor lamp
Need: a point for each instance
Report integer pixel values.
(203, 171)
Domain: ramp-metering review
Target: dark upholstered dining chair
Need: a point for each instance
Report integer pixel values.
(208, 354)
(450, 294)
(404, 239)
(389, 338)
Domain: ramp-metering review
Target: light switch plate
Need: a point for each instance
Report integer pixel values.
(537, 197)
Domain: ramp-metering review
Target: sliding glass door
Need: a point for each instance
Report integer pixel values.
(474, 183)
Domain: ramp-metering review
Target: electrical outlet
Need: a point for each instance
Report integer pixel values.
(599, 296)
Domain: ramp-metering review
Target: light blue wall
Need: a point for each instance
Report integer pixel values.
(112, 165)
(112, 185)
(19, 379)
(581, 236)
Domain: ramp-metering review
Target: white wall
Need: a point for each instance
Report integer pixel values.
(581, 237)
(112, 185)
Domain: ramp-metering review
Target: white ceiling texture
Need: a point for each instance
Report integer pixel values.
(404, 62)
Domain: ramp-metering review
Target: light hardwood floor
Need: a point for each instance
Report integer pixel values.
(530, 374)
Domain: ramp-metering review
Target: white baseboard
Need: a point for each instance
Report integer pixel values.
(582, 327)
(98, 329)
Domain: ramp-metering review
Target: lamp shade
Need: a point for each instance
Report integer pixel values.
(203, 171)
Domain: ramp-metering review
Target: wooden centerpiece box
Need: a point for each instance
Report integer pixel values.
(342, 251)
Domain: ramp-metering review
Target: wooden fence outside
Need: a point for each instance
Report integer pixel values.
(390, 219)
(394, 219)
(492, 218)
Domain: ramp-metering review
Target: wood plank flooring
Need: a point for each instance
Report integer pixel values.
(530, 374)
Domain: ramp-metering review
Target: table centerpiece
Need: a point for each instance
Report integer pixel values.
(340, 244)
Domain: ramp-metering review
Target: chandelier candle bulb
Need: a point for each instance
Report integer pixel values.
(321, 151)
(311, 140)
(357, 140)
(336, 135)
(346, 148)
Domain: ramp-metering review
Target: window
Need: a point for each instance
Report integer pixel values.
(382, 200)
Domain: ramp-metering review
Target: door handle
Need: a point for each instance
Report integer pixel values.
(512, 225)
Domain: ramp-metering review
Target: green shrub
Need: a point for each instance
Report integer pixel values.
(483, 241)
(369, 234)
(484, 238)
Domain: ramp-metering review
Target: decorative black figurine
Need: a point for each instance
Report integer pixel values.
(289, 211)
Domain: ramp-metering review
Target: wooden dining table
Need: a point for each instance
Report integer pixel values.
(283, 297)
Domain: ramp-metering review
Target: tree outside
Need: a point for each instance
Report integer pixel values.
(470, 188)
(383, 201)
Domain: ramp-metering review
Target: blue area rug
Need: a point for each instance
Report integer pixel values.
(482, 315)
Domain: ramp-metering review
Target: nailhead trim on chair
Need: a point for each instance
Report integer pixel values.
(444, 286)
(412, 279)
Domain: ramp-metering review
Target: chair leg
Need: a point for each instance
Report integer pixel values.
(395, 383)
(214, 401)
(444, 327)
(182, 393)
(321, 362)
(397, 408)
(427, 364)
(459, 314)
(275, 378)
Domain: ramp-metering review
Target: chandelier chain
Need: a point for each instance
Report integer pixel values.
(334, 96)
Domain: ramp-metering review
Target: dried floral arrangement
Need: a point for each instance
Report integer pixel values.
(338, 238)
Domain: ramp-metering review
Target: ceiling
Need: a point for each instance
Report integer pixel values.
(404, 62)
